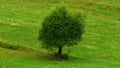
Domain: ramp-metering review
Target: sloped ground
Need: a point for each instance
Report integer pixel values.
(20, 22)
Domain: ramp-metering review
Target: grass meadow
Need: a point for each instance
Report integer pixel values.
(20, 21)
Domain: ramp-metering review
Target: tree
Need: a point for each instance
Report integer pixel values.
(61, 29)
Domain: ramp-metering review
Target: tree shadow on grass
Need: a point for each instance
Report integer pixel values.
(77, 59)
(38, 55)
(71, 59)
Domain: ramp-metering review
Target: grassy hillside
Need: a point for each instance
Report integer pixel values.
(20, 21)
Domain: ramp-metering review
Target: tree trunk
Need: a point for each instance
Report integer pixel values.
(60, 50)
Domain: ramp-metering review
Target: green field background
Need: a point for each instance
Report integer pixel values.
(20, 21)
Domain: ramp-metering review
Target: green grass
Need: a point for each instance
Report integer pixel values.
(20, 21)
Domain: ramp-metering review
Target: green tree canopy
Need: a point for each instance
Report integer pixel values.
(60, 29)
